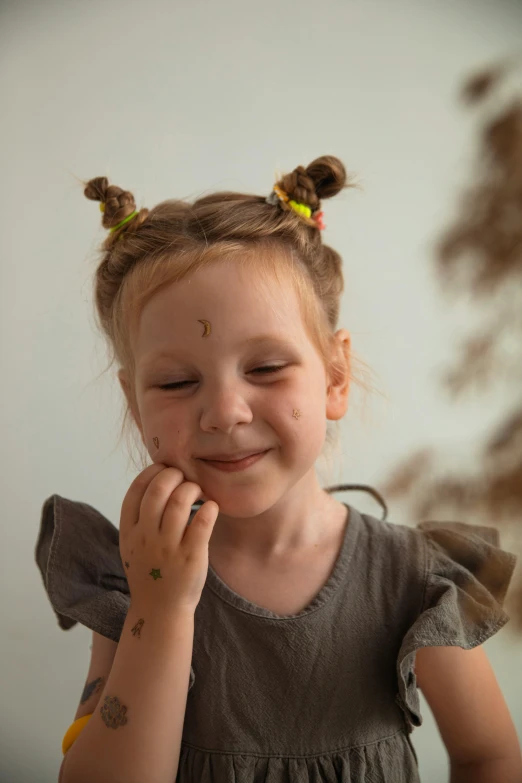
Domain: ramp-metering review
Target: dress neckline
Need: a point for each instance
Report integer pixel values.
(339, 574)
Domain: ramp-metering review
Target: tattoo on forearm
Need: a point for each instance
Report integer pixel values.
(92, 687)
(137, 628)
(113, 712)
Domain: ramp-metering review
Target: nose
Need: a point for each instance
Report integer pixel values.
(224, 407)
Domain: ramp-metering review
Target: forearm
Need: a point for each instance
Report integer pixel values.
(145, 699)
(504, 770)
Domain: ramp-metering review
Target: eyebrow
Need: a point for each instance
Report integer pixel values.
(251, 341)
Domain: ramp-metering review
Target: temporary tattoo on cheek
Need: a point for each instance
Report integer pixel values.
(156, 442)
(207, 326)
(296, 413)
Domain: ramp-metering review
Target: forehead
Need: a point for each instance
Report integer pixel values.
(239, 303)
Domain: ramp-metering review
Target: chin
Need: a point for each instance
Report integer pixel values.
(244, 505)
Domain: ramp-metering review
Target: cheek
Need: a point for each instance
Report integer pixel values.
(310, 420)
(300, 420)
(165, 436)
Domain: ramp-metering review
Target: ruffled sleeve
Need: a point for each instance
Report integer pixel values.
(78, 555)
(466, 578)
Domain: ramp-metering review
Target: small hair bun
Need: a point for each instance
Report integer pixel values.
(119, 203)
(324, 177)
(328, 175)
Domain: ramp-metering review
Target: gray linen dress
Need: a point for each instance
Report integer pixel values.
(326, 695)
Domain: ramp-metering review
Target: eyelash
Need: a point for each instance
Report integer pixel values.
(268, 370)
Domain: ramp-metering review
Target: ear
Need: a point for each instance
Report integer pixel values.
(339, 385)
(127, 390)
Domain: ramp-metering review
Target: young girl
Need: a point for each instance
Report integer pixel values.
(247, 626)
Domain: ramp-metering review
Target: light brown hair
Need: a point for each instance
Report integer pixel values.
(161, 246)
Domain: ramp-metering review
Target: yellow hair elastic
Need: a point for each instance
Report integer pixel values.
(301, 209)
(73, 731)
(278, 194)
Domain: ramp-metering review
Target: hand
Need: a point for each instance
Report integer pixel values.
(166, 561)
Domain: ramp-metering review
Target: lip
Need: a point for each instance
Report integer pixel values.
(227, 458)
(231, 466)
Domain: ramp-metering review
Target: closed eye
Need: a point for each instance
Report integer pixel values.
(268, 370)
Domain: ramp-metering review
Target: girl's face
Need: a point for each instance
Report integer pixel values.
(204, 394)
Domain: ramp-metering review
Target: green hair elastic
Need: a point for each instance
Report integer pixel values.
(126, 220)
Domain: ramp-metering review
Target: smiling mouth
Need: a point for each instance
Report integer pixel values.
(233, 459)
(237, 464)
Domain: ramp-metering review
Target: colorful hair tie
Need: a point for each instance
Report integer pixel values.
(278, 195)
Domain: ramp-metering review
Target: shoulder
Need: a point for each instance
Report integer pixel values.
(393, 558)
(396, 544)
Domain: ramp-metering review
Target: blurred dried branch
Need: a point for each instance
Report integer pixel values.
(480, 256)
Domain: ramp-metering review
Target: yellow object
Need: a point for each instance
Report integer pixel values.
(73, 731)
(301, 209)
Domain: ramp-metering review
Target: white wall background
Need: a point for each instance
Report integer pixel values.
(170, 99)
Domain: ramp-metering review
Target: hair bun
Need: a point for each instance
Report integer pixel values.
(119, 203)
(96, 188)
(324, 177)
(328, 175)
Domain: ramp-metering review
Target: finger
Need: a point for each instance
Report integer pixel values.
(201, 528)
(177, 510)
(157, 495)
(130, 509)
